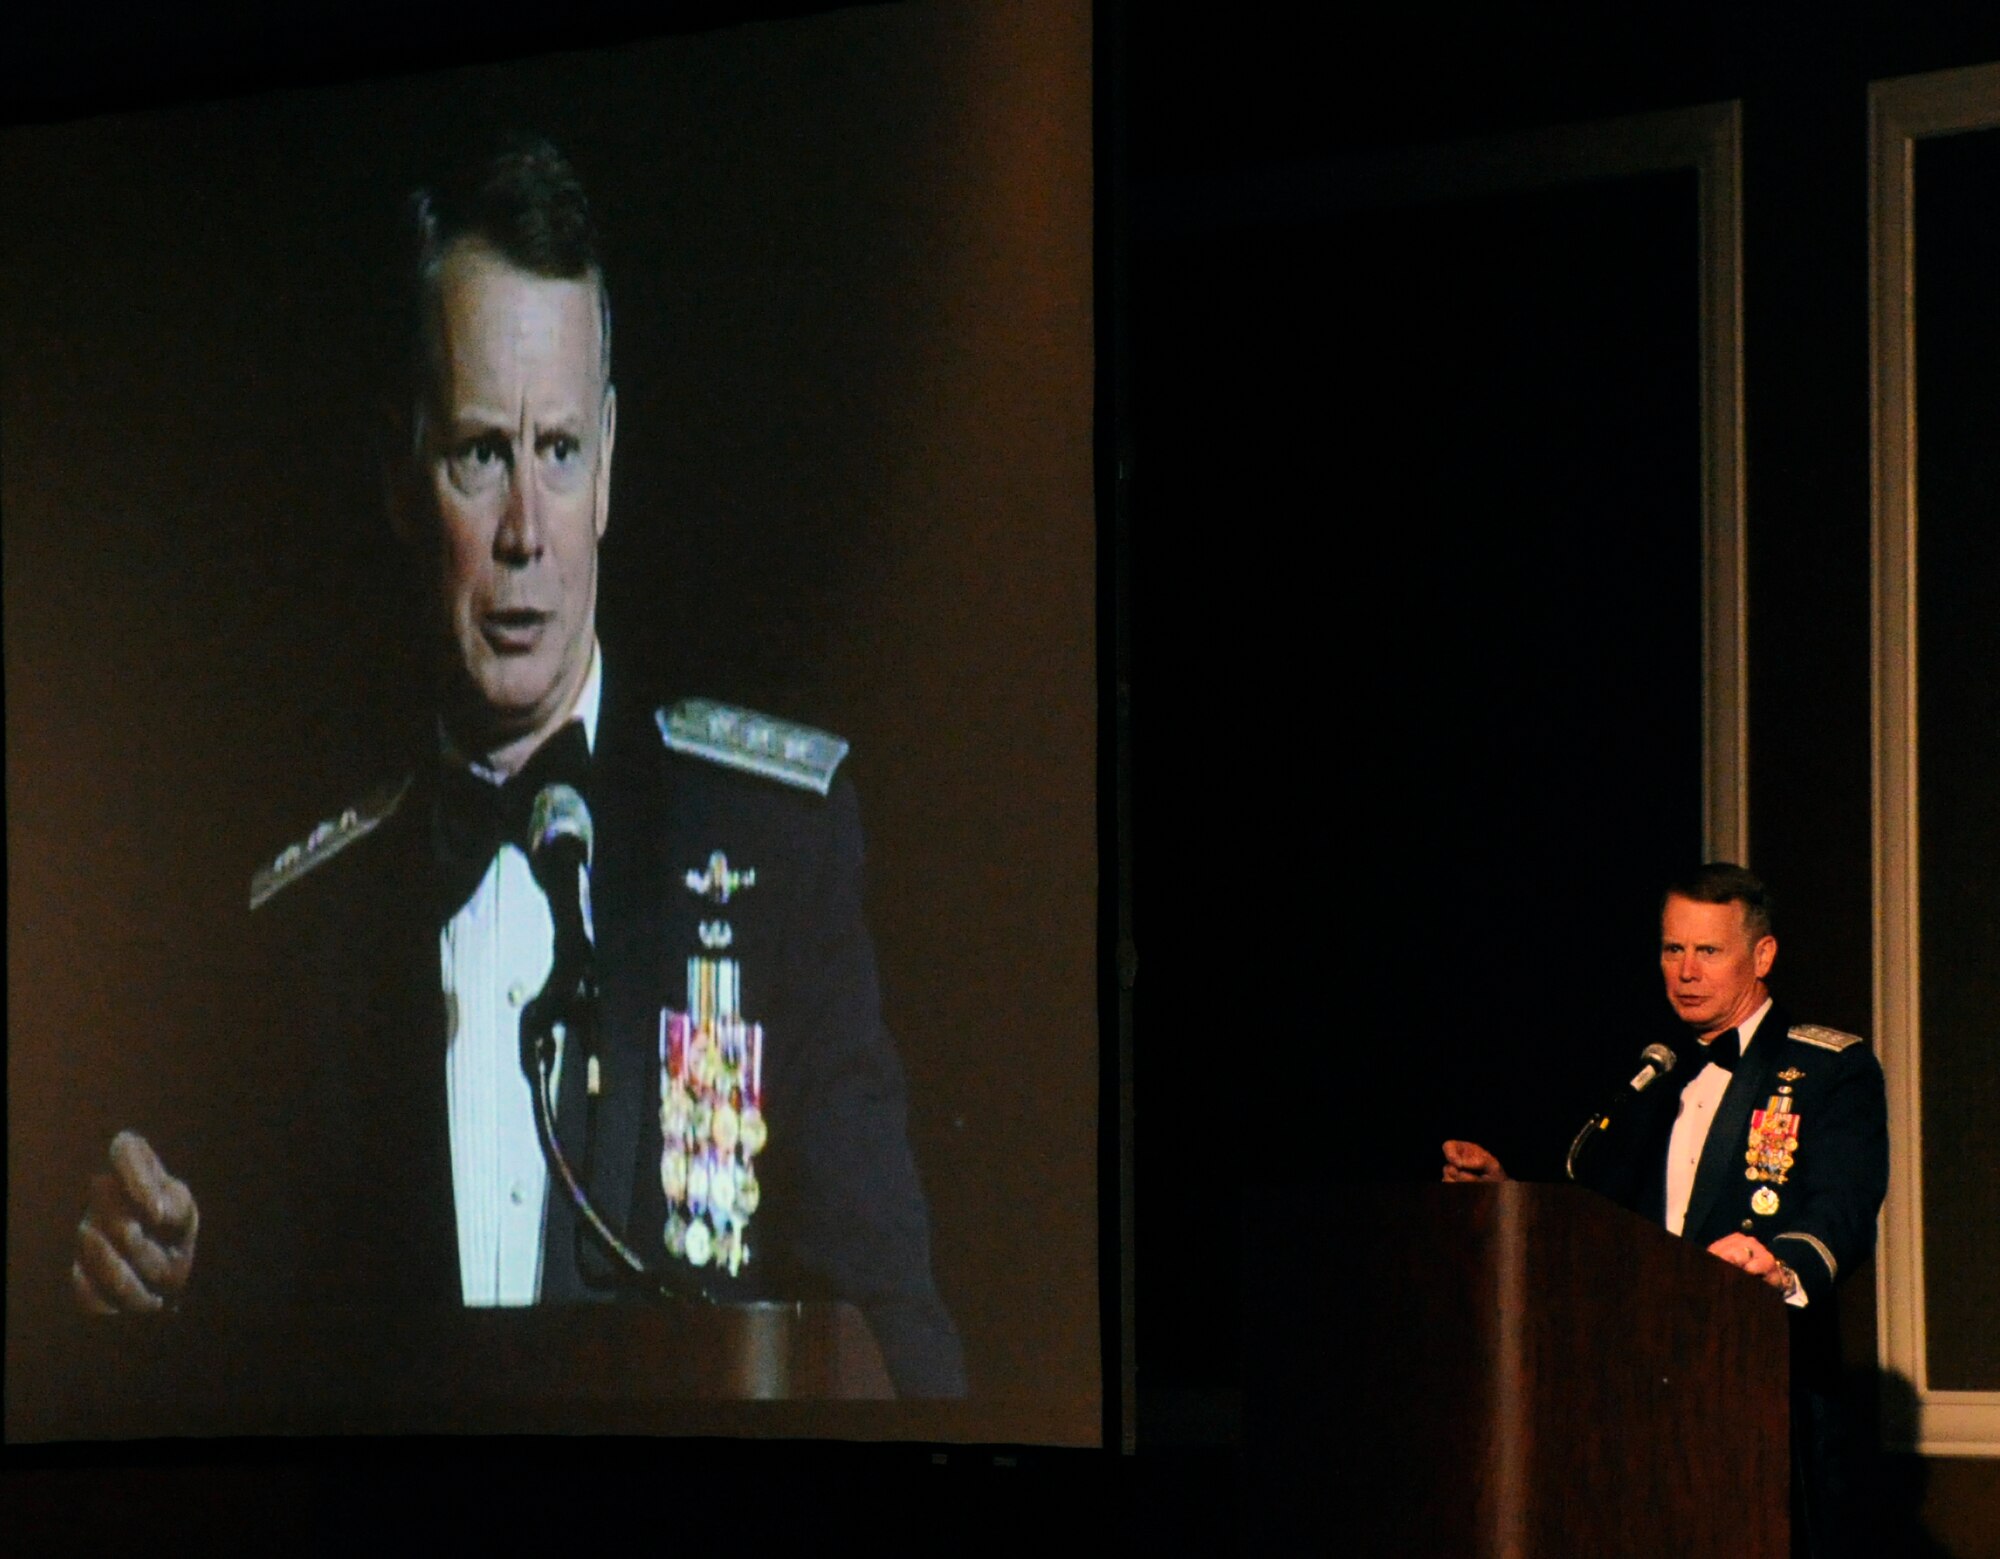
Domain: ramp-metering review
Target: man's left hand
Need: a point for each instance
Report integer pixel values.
(1739, 1250)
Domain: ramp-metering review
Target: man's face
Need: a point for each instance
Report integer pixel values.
(1714, 973)
(516, 465)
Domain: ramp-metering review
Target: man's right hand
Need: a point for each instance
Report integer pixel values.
(1468, 1161)
(135, 1246)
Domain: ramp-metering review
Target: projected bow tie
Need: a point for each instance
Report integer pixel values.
(475, 817)
(1723, 1051)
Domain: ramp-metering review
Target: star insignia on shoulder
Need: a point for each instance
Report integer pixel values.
(1823, 1038)
(327, 840)
(753, 743)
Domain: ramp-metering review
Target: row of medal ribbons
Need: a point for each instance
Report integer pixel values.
(1774, 1142)
(711, 1121)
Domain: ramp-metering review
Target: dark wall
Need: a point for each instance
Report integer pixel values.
(1417, 625)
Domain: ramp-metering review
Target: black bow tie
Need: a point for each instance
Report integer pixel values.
(1723, 1051)
(475, 817)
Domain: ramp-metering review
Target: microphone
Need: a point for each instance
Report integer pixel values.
(1659, 1061)
(560, 844)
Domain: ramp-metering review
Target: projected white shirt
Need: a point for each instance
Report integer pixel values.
(495, 954)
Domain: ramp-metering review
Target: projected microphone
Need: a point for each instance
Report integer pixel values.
(560, 843)
(1659, 1061)
(559, 846)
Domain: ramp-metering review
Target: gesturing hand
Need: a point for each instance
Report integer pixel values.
(135, 1245)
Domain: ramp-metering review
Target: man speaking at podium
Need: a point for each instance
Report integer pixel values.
(1763, 1138)
(722, 1088)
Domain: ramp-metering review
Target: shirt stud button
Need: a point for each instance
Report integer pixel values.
(516, 1195)
(517, 993)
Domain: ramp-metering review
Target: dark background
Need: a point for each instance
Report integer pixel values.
(1228, 97)
(1458, 742)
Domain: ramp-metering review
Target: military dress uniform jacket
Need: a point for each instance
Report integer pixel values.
(1825, 1089)
(1820, 1218)
(355, 1200)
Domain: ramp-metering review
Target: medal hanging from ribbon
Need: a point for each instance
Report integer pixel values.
(711, 1118)
(1774, 1140)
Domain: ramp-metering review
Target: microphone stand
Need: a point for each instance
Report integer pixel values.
(570, 1005)
(1656, 1062)
(559, 851)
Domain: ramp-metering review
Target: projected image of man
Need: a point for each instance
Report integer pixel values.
(738, 1118)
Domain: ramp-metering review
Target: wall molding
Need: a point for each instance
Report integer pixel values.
(1901, 112)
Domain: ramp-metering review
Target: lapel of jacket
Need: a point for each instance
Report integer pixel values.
(380, 1049)
(627, 885)
(1721, 1165)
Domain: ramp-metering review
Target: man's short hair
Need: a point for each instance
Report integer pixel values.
(1722, 882)
(526, 204)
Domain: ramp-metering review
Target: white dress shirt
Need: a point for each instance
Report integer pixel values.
(1699, 1102)
(495, 955)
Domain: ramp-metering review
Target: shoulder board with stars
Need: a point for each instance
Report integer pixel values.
(1824, 1038)
(327, 840)
(756, 744)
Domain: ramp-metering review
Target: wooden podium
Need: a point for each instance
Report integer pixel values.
(1511, 1372)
